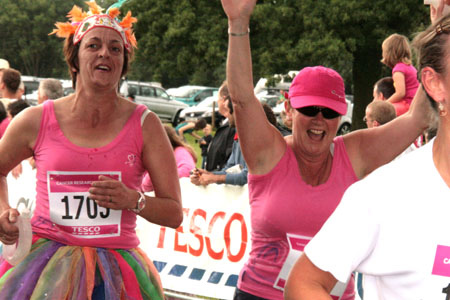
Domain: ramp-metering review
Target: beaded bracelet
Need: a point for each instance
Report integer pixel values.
(238, 34)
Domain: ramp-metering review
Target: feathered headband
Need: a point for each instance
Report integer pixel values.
(82, 22)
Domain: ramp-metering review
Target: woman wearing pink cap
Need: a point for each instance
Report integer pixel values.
(296, 182)
(91, 149)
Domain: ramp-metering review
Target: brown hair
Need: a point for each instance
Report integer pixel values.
(385, 86)
(431, 48)
(175, 141)
(71, 55)
(200, 124)
(11, 78)
(397, 50)
(382, 111)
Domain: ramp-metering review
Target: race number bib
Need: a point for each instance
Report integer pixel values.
(74, 212)
(437, 285)
(297, 245)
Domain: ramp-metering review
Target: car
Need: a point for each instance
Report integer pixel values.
(192, 94)
(155, 98)
(345, 125)
(204, 110)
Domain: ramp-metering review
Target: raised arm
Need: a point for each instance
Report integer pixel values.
(369, 149)
(262, 145)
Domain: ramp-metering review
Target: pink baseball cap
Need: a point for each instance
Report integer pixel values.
(318, 86)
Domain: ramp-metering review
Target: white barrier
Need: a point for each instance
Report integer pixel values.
(205, 254)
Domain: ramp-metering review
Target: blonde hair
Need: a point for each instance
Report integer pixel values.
(396, 50)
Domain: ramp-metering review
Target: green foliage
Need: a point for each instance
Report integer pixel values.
(25, 41)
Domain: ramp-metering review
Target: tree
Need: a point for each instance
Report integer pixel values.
(180, 42)
(24, 36)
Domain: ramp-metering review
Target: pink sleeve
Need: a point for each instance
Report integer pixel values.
(3, 125)
(185, 162)
(147, 185)
(400, 67)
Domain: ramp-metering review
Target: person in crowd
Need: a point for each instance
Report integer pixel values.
(14, 108)
(191, 128)
(383, 89)
(184, 156)
(92, 149)
(397, 56)
(9, 85)
(235, 170)
(4, 64)
(221, 145)
(296, 182)
(49, 89)
(379, 113)
(204, 143)
(402, 240)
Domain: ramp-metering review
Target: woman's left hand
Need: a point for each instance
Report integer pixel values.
(111, 193)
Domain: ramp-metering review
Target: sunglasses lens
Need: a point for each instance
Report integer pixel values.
(329, 113)
(310, 111)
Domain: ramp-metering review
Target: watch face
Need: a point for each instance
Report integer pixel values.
(141, 203)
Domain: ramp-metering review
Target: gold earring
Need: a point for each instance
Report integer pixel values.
(442, 111)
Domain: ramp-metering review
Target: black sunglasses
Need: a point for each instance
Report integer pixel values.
(312, 111)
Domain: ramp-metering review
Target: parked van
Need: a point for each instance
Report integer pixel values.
(155, 98)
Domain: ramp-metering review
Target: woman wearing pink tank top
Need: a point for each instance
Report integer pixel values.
(92, 149)
(296, 182)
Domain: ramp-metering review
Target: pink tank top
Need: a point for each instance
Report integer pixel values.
(64, 212)
(281, 202)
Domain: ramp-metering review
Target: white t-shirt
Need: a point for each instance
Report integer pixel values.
(393, 226)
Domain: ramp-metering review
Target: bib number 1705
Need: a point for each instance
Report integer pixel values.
(92, 209)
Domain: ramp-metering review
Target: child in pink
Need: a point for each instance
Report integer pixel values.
(397, 55)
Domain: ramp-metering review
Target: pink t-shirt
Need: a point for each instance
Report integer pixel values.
(281, 202)
(3, 125)
(411, 82)
(64, 212)
(185, 163)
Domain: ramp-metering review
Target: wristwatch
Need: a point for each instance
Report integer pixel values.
(140, 204)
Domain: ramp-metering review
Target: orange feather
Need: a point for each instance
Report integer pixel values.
(63, 30)
(76, 14)
(94, 8)
(114, 12)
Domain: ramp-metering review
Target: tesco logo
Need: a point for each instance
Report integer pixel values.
(219, 223)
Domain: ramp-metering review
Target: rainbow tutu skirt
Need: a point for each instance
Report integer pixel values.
(58, 272)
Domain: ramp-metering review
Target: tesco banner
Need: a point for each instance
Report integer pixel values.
(205, 254)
